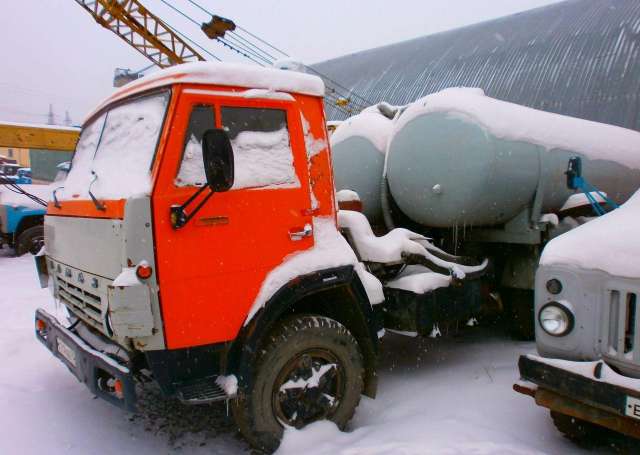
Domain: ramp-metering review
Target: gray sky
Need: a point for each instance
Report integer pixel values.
(53, 52)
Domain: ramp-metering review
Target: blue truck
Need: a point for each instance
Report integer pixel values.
(22, 228)
(21, 216)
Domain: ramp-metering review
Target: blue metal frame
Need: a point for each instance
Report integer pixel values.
(576, 181)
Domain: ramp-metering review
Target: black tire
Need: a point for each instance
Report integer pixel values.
(31, 240)
(519, 311)
(585, 434)
(297, 347)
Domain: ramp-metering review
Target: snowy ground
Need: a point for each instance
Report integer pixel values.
(448, 396)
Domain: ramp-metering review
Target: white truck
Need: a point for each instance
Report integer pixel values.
(587, 371)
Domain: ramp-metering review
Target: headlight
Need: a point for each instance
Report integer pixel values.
(556, 319)
(554, 286)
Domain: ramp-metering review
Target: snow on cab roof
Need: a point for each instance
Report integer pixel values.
(609, 243)
(225, 74)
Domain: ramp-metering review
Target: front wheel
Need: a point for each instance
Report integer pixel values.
(31, 240)
(310, 369)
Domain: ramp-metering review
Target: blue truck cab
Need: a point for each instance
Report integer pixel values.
(21, 228)
(24, 176)
(21, 224)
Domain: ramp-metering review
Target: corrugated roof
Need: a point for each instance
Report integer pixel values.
(578, 58)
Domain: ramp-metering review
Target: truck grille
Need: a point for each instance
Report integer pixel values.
(84, 294)
(622, 327)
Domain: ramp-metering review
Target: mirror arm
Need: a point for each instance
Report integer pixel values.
(182, 218)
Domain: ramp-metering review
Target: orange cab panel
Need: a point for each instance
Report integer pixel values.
(211, 270)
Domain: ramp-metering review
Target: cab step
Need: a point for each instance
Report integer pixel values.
(201, 391)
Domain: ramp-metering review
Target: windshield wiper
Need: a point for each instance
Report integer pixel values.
(56, 203)
(99, 205)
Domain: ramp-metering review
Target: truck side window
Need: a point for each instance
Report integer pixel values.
(261, 147)
(191, 172)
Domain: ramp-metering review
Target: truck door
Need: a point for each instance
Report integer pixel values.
(211, 270)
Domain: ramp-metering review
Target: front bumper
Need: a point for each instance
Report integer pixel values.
(593, 400)
(104, 376)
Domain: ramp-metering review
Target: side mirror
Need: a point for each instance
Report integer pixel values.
(217, 154)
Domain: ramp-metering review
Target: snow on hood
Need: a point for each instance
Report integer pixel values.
(518, 123)
(609, 243)
(369, 124)
(225, 74)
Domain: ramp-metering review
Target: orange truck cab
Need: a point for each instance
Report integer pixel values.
(194, 243)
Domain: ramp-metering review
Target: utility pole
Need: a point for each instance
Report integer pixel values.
(51, 118)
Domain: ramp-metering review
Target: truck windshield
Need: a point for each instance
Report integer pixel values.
(115, 151)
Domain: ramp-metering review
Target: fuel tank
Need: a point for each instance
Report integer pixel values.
(458, 157)
(358, 148)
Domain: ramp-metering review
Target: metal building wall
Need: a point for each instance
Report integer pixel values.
(579, 58)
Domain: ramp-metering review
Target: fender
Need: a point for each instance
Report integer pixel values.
(364, 321)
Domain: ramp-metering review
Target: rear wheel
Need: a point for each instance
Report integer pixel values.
(310, 369)
(31, 240)
(579, 431)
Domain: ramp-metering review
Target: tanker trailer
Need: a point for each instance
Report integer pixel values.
(479, 174)
(358, 147)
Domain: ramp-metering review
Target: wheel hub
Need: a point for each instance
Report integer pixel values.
(308, 388)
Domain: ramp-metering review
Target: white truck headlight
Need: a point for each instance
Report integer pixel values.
(556, 319)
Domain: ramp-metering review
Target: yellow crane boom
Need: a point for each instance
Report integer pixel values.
(43, 137)
(142, 30)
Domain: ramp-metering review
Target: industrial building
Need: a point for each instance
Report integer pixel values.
(578, 58)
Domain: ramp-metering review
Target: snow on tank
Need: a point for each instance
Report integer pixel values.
(609, 243)
(458, 157)
(358, 147)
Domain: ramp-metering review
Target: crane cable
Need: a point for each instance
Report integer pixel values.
(333, 94)
(177, 10)
(201, 8)
(363, 103)
(193, 42)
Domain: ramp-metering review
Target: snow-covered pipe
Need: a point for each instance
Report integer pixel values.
(458, 157)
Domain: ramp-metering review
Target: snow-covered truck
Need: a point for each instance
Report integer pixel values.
(588, 328)
(21, 216)
(22, 210)
(196, 243)
(482, 176)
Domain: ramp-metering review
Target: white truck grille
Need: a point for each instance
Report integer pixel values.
(84, 294)
(622, 327)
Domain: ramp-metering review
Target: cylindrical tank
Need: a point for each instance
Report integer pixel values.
(357, 148)
(459, 158)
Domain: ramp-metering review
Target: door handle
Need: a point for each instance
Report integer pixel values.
(296, 235)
